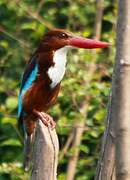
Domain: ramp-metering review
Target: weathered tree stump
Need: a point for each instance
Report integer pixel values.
(45, 154)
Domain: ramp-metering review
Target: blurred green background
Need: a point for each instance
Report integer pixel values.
(82, 102)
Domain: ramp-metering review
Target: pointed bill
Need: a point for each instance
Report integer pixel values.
(85, 43)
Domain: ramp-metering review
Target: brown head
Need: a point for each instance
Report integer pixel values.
(58, 38)
(53, 51)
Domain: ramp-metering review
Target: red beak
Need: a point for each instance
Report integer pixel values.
(85, 43)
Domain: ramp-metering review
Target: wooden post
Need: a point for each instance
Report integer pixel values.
(45, 155)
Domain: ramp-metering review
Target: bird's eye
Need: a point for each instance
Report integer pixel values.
(63, 35)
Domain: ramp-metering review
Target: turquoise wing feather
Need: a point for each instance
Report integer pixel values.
(29, 77)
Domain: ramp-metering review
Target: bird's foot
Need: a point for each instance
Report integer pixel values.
(45, 118)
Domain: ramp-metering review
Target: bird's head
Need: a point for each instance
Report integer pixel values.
(59, 38)
(57, 42)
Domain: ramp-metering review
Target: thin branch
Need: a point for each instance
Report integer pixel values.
(21, 42)
(40, 6)
(71, 168)
(35, 15)
(98, 19)
(66, 146)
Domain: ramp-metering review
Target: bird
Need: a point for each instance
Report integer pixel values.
(41, 81)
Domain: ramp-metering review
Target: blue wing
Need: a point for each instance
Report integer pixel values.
(29, 77)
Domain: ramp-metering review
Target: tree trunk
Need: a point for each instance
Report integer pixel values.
(115, 155)
(121, 93)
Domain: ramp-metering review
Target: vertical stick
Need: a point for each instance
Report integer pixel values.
(98, 19)
(45, 154)
(115, 155)
(121, 92)
(71, 169)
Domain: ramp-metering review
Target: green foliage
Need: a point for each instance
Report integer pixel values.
(22, 25)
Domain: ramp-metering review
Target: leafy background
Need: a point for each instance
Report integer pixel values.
(22, 23)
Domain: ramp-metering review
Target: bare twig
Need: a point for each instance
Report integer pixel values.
(71, 169)
(74, 158)
(40, 6)
(21, 42)
(98, 19)
(35, 15)
(66, 146)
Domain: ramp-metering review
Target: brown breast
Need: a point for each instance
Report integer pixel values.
(40, 96)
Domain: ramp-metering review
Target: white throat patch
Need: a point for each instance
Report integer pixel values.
(57, 71)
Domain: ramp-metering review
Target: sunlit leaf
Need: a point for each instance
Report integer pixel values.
(10, 142)
(12, 102)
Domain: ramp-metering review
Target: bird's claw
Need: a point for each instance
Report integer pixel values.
(45, 118)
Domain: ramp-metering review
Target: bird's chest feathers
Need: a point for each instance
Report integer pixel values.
(57, 71)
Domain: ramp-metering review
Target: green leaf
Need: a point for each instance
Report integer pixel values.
(84, 148)
(29, 25)
(12, 102)
(11, 120)
(4, 44)
(10, 142)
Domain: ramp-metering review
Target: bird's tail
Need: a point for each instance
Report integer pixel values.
(28, 151)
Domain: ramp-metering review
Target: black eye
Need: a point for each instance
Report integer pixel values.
(63, 35)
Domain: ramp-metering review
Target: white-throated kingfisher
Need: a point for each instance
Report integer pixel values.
(41, 80)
